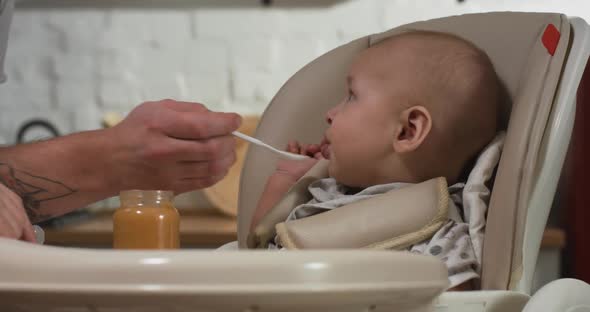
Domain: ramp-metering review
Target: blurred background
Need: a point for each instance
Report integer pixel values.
(73, 61)
(79, 65)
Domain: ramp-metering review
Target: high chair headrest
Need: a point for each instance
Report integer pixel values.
(528, 52)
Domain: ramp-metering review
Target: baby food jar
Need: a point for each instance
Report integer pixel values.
(146, 220)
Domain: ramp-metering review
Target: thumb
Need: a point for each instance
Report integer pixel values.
(28, 234)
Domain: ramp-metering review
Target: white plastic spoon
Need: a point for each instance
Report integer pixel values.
(260, 143)
(39, 234)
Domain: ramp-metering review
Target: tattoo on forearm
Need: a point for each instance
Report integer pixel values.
(33, 190)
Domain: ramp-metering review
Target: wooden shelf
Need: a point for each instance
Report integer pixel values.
(199, 229)
(553, 238)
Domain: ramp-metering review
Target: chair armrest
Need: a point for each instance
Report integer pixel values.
(563, 295)
(481, 301)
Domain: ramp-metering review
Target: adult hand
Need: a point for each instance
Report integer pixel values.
(179, 146)
(14, 222)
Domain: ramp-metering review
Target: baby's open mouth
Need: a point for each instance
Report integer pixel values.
(325, 148)
(326, 151)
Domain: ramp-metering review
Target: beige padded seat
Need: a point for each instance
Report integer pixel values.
(528, 52)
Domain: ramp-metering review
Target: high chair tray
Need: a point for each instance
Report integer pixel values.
(47, 275)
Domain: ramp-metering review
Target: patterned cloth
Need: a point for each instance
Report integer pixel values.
(452, 244)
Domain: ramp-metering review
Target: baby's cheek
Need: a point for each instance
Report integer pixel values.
(335, 167)
(341, 164)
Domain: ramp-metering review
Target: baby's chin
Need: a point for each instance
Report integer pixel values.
(346, 179)
(335, 172)
(332, 172)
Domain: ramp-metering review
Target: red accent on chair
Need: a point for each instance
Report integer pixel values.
(550, 38)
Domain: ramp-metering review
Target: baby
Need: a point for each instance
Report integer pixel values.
(420, 105)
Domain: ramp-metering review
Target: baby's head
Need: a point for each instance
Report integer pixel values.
(419, 105)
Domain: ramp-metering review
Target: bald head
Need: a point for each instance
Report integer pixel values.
(456, 82)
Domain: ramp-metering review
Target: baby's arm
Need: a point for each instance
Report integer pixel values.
(276, 186)
(285, 176)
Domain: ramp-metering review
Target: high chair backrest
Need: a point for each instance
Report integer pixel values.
(528, 51)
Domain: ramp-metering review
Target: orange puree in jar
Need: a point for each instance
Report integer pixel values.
(146, 220)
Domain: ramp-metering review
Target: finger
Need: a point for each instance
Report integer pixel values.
(12, 197)
(212, 149)
(9, 221)
(298, 147)
(173, 151)
(312, 149)
(24, 228)
(28, 234)
(198, 125)
(186, 185)
(302, 148)
(191, 170)
(20, 214)
(8, 227)
(8, 193)
(180, 106)
(291, 147)
(294, 147)
(11, 208)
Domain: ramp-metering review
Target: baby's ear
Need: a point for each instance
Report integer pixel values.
(413, 128)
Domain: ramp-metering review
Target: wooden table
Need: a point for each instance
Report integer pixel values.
(199, 229)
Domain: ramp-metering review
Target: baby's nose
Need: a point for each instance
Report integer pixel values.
(330, 115)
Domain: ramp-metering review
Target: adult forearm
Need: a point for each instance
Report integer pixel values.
(169, 145)
(56, 176)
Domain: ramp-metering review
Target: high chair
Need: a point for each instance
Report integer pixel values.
(540, 59)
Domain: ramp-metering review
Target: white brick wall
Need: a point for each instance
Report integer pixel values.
(72, 64)
(75, 63)
(84, 60)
